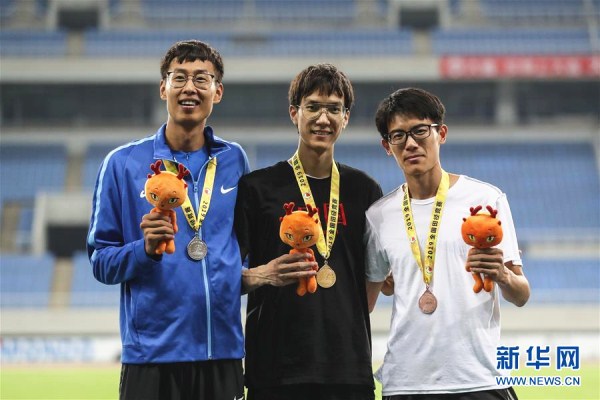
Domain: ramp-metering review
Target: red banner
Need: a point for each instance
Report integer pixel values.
(520, 67)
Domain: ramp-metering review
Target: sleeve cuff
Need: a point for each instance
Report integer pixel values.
(142, 258)
(376, 277)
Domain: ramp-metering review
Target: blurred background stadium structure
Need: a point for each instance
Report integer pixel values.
(520, 79)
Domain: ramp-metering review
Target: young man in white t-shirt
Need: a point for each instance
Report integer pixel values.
(444, 336)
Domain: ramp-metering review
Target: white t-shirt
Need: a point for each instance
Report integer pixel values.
(454, 349)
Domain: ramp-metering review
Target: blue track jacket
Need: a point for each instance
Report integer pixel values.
(175, 309)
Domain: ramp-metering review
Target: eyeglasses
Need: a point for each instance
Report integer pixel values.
(313, 111)
(418, 132)
(201, 80)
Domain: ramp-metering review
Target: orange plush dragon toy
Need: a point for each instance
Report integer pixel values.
(166, 191)
(301, 230)
(482, 231)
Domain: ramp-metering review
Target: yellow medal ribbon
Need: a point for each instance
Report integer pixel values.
(188, 209)
(436, 216)
(324, 244)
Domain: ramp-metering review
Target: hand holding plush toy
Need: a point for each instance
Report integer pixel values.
(166, 191)
(300, 229)
(482, 231)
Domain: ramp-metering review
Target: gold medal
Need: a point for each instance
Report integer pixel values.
(427, 302)
(326, 277)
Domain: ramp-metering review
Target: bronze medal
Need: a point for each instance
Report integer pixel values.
(197, 249)
(326, 277)
(427, 302)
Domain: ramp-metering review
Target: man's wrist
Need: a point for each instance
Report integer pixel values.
(251, 279)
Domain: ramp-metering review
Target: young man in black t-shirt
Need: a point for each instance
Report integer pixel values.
(315, 346)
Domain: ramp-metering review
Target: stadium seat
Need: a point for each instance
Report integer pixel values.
(94, 157)
(32, 43)
(349, 42)
(533, 11)
(7, 9)
(86, 291)
(522, 41)
(553, 188)
(23, 175)
(191, 11)
(24, 230)
(142, 43)
(563, 280)
(25, 280)
(337, 11)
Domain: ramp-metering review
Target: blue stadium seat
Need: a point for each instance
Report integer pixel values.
(86, 291)
(27, 170)
(94, 157)
(372, 160)
(455, 6)
(31, 43)
(186, 11)
(143, 43)
(191, 11)
(7, 9)
(563, 281)
(500, 41)
(24, 229)
(552, 187)
(25, 280)
(338, 11)
(534, 10)
(381, 42)
(41, 6)
(268, 154)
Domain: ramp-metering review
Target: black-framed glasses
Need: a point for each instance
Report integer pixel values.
(201, 80)
(313, 111)
(418, 132)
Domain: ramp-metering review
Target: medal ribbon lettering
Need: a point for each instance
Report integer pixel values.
(188, 209)
(325, 243)
(434, 226)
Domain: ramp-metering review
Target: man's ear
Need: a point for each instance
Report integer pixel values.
(218, 93)
(386, 146)
(443, 131)
(163, 89)
(346, 119)
(293, 110)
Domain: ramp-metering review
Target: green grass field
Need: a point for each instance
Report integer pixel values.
(93, 382)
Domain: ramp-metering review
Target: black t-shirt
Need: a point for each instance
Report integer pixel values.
(323, 337)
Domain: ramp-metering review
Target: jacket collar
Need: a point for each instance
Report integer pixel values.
(162, 151)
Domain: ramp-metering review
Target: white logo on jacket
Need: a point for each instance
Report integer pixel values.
(225, 191)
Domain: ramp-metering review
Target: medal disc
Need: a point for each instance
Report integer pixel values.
(326, 277)
(197, 249)
(427, 302)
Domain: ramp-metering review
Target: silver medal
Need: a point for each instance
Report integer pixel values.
(197, 249)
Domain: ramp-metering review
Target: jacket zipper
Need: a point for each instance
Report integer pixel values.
(205, 275)
(204, 266)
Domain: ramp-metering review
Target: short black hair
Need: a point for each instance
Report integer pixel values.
(412, 102)
(324, 78)
(192, 50)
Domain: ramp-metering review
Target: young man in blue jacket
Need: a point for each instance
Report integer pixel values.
(180, 313)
